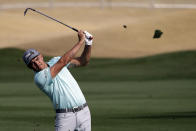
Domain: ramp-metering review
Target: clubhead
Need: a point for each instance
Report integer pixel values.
(25, 12)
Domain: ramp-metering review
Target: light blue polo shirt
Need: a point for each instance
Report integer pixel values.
(63, 90)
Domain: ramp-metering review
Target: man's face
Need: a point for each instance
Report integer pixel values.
(37, 63)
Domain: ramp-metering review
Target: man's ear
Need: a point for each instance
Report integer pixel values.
(30, 66)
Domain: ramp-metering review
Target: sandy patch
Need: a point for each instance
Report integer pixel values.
(111, 39)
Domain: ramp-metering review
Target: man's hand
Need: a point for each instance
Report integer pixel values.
(88, 38)
(81, 35)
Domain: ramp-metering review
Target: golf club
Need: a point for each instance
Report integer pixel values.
(50, 18)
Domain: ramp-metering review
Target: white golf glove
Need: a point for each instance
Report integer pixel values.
(88, 38)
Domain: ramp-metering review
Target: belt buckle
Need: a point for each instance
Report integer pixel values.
(75, 109)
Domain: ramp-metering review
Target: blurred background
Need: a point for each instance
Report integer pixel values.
(132, 83)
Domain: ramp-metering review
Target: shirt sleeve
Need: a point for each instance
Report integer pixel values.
(67, 66)
(43, 80)
(54, 60)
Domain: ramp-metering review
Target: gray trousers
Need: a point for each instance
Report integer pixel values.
(78, 121)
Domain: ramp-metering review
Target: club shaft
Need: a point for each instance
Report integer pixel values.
(56, 20)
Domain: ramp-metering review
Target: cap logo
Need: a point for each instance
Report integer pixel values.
(28, 55)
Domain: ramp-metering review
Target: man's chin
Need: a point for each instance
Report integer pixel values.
(37, 69)
(41, 68)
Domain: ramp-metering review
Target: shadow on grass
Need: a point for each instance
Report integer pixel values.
(173, 115)
(30, 119)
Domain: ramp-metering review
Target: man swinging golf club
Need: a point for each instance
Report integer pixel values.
(55, 80)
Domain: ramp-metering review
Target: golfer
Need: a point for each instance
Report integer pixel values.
(55, 80)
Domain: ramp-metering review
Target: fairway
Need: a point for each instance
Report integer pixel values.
(127, 106)
(155, 93)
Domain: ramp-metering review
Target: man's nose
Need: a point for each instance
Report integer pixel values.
(37, 62)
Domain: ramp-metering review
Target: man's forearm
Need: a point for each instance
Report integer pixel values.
(71, 53)
(86, 54)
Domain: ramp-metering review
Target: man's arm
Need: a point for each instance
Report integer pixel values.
(84, 59)
(68, 56)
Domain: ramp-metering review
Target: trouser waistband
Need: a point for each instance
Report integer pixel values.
(74, 109)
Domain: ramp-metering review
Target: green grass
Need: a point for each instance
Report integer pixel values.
(135, 106)
(178, 65)
(155, 93)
